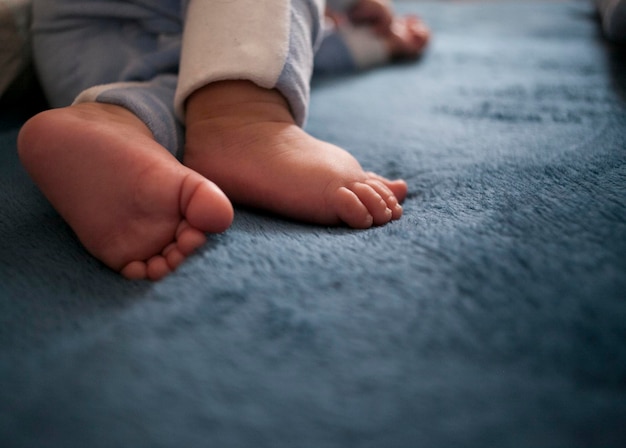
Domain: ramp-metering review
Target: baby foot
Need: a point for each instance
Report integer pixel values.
(244, 139)
(129, 201)
(407, 38)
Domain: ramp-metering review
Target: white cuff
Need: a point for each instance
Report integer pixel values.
(227, 40)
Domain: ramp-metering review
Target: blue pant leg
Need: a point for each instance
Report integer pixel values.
(151, 101)
(123, 52)
(306, 33)
(333, 55)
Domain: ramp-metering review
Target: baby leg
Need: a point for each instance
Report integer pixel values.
(107, 162)
(246, 136)
(129, 201)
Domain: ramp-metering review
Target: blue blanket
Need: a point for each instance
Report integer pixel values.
(492, 314)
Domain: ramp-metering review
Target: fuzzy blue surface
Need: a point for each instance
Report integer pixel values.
(492, 314)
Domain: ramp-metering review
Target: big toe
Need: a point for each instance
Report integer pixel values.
(205, 206)
(418, 30)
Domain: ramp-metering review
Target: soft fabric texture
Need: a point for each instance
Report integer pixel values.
(492, 314)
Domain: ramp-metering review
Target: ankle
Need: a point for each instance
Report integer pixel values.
(242, 101)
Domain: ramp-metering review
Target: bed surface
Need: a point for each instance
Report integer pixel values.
(492, 314)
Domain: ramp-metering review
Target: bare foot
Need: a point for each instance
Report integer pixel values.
(243, 138)
(129, 201)
(407, 38)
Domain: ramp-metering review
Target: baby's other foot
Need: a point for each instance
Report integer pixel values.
(408, 37)
(244, 139)
(129, 201)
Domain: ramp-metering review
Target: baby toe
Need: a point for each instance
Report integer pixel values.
(351, 210)
(398, 187)
(174, 256)
(188, 239)
(374, 202)
(388, 196)
(157, 267)
(135, 270)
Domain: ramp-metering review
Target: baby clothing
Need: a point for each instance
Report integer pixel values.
(149, 56)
